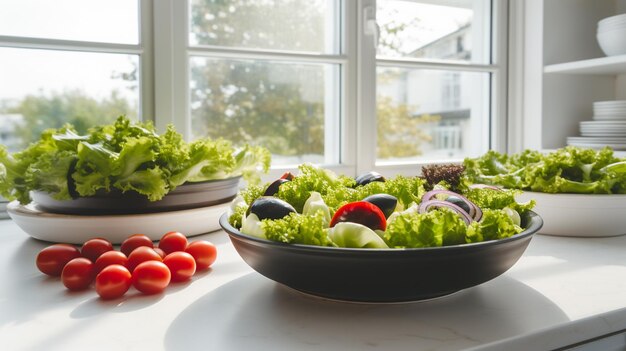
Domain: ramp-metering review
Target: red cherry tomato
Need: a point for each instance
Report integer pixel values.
(181, 264)
(203, 252)
(151, 277)
(78, 273)
(160, 252)
(142, 254)
(135, 241)
(361, 212)
(108, 258)
(287, 175)
(93, 248)
(172, 242)
(113, 282)
(52, 259)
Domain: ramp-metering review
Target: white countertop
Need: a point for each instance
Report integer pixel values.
(562, 291)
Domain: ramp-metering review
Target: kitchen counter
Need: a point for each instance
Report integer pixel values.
(562, 292)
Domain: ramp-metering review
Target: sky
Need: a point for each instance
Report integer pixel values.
(27, 71)
(24, 71)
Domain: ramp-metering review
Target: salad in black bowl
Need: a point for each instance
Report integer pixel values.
(372, 239)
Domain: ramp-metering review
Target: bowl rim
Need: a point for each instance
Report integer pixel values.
(613, 196)
(618, 17)
(535, 221)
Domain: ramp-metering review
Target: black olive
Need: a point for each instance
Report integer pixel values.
(269, 207)
(387, 203)
(273, 188)
(457, 201)
(369, 177)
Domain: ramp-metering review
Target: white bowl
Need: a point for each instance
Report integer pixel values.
(613, 42)
(580, 215)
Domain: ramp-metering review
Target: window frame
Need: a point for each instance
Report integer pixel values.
(164, 54)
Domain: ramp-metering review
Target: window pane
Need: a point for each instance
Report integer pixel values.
(459, 31)
(431, 114)
(108, 21)
(281, 106)
(44, 89)
(293, 25)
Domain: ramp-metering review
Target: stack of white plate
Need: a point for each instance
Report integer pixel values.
(609, 110)
(608, 127)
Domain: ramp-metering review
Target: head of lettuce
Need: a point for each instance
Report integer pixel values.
(126, 156)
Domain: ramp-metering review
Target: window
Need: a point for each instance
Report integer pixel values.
(268, 73)
(52, 73)
(435, 74)
(355, 86)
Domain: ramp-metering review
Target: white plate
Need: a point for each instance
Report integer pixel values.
(76, 229)
(579, 214)
(603, 123)
(615, 147)
(601, 133)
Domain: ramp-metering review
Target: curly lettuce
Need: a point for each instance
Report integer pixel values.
(123, 156)
(567, 170)
(431, 229)
(298, 229)
(494, 225)
(316, 194)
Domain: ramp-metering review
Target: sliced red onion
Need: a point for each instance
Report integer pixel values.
(426, 205)
(479, 213)
(485, 186)
(474, 212)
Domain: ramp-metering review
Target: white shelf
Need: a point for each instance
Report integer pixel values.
(609, 65)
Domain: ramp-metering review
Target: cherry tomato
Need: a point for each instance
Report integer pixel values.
(93, 248)
(52, 259)
(172, 242)
(360, 212)
(203, 252)
(151, 277)
(78, 273)
(160, 252)
(142, 254)
(135, 241)
(113, 282)
(181, 264)
(108, 258)
(287, 175)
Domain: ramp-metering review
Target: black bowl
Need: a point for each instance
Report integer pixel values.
(184, 197)
(382, 275)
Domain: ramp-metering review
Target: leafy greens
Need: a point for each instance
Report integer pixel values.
(567, 170)
(123, 156)
(316, 194)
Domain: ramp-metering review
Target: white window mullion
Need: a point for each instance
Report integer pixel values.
(171, 65)
(350, 83)
(499, 116)
(68, 45)
(146, 66)
(366, 87)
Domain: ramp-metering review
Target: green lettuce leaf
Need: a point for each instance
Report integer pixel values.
(54, 179)
(123, 156)
(431, 229)
(566, 170)
(355, 235)
(298, 229)
(494, 225)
